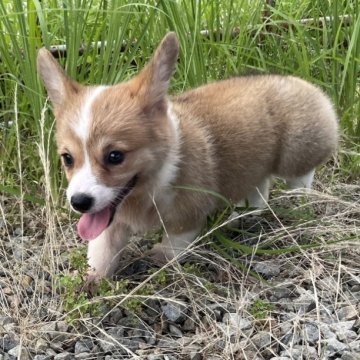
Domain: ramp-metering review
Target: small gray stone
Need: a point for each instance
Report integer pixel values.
(294, 354)
(8, 341)
(308, 352)
(18, 231)
(50, 352)
(326, 332)
(237, 321)
(267, 269)
(57, 346)
(188, 325)
(262, 339)
(281, 292)
(6, 320)
(115, 315)
(41, 345)
(174, 312)
(347, 313)
(43, 357)
(280, 358)
(347, 336)
(355, 346)
(19, 352)
(62, 326)
(333, 346)
(155, 357)
(107, 344)
(311, 333)
(49, 329)
(195, 356)
(64, 356)
(83, 356)
(304, 302)
(174, 330)
(342, 326)
(347, 355)
(83, 345)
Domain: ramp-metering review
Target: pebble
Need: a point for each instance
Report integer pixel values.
(64, 356)
(347, 335)
(304, 303)
(311, 332)
(195, 356)
(174, 312)
(292, 353)
(261, 340)
(235, 322)
(347, 355)
(8, 342)
(334, 347)
(83, 356)
(267, 269)
(155, 357)
(49, 329)
(326, 332)
(174, 330)
(189, 325)
(43, 357)
(342, 326)
(41, 345)
(348, 313)
(19, 352)
(83, 345)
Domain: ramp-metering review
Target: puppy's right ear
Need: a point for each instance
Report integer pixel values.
(58, 85)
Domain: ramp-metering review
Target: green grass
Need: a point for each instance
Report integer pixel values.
(238, 40)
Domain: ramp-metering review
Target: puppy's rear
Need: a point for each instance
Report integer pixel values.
(261, 126)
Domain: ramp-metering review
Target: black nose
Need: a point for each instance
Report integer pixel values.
(81, 202)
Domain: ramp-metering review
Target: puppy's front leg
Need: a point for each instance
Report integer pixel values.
(173, 244)
(104, 251)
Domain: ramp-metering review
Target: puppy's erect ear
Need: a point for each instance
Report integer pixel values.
(153, 81)
(58, 85)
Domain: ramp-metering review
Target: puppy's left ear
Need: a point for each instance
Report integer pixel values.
(59, 86)
(152, 83)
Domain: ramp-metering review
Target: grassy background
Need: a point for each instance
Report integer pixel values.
(317, 235)
(241, 36)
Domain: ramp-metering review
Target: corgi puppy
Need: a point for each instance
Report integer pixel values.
(136, 158)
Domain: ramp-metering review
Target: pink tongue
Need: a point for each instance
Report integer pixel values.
(91, 226)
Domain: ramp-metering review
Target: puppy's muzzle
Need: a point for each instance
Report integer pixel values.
(82, 202)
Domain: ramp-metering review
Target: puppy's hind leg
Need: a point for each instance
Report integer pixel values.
(259, 196)
(299, 182)
(173, 244)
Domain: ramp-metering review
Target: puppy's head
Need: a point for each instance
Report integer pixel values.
(112, 139)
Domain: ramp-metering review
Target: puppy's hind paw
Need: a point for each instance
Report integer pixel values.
(157, 255)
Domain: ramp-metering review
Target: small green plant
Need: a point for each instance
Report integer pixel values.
(161, 277)
(74, 288)
(260, 309)
(192, 268)
(77, 293)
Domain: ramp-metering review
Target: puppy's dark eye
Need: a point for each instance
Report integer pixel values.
(67, 159)
(115, 157)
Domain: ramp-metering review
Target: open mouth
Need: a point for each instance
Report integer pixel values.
(91, 225)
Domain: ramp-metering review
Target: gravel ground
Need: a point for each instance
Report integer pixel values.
(305, 305)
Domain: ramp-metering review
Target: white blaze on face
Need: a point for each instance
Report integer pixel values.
(84, 181)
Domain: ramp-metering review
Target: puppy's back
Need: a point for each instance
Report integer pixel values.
(260, 125)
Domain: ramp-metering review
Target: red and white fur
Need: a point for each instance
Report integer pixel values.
(137, 159)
